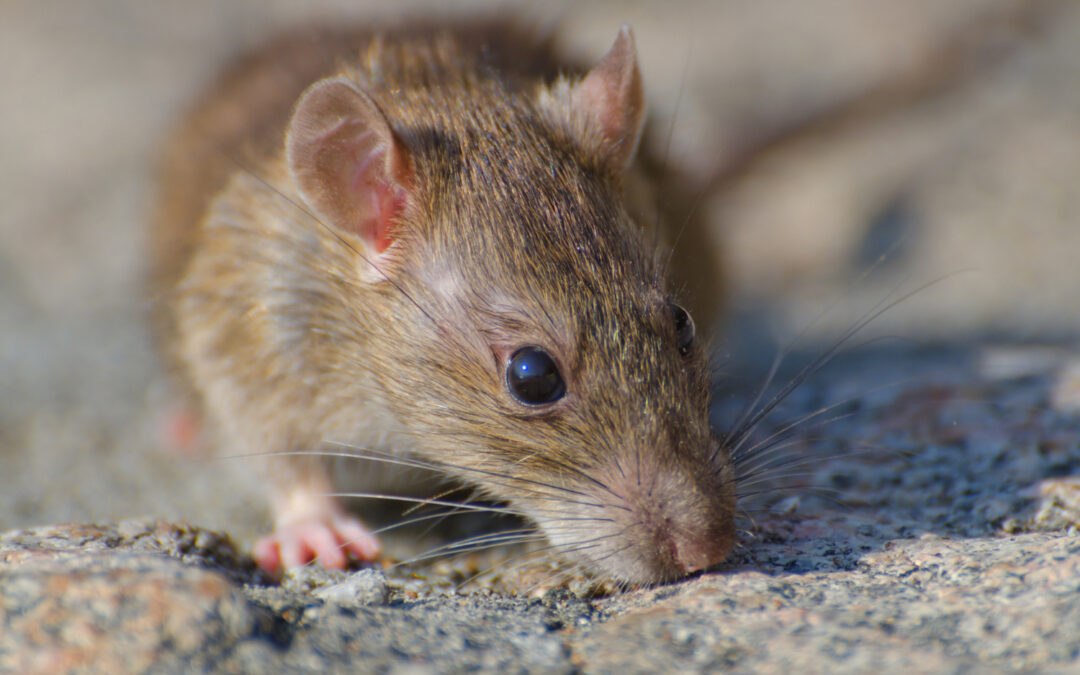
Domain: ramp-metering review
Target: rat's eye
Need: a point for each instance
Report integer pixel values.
(684, 329)
(533, 377)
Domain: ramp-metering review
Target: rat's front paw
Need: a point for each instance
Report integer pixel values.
(327, 540)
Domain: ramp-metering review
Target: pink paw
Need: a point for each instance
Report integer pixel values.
(327, 540)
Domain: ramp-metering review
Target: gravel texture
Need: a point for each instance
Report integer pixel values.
(928, 521)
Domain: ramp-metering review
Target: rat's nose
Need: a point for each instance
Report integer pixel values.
(696, 551)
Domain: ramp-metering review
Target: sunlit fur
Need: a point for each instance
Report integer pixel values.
(515, 233)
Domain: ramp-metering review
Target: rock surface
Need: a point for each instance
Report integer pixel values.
(943, 559)
(928, 521)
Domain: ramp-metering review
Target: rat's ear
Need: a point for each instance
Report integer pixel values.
(608, 102)
(351, 168)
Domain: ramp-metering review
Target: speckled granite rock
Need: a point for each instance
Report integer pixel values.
(82, 597)
(820, 604)
(940, 561)
(925, 605)
(154, 596)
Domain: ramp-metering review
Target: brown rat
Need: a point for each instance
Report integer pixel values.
(430, 243)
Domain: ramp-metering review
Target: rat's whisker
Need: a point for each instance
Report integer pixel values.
(767, 458)
(563, 549)
(768, 445)
(503, 536)
(511, 564)
(817, 490)
(739, 428)
(448, 551)
(473, 545)
(445, 493)
(774, 467)
(441, 515)
(744, 428)
(755, 451)
(421, 500)
(389, 458)
(445, 467)
(332, 231)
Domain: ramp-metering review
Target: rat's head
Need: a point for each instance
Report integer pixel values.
(543, 354)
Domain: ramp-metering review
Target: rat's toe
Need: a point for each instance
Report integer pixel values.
(326, 541)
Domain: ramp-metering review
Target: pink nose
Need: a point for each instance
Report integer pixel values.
(694, 554)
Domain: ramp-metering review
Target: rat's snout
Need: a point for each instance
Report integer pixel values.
(696, 549)
(659, 521)
(679, 525)
(686, 528)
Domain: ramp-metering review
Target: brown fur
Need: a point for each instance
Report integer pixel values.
(515, 233)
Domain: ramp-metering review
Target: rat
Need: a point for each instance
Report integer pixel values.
(444, 245)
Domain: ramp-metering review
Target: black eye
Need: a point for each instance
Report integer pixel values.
(533, 377)
(684, 329)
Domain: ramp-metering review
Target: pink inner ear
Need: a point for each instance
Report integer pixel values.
(611, 96)
(384, 201)
(391, 201)
(350, 167)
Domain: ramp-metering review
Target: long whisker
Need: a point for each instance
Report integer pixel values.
(774, 469)
(747, 410)
(444, 467)
(374, 456)
(830, 495)
(522, 534)
(766, 447)
(489, 541)
(565, 549)
(785, 470)
(449, 549)
(419, 519)
(581, 474)
(449, 491)
(422, 500)
(518, 561)
(475, 495)
(741, 428)
(332, 231)
(769, 444)
(767, 459)
(369, 455)
(826, 357)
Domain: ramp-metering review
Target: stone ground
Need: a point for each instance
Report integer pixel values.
(934, 526)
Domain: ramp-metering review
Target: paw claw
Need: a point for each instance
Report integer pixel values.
(327, 541)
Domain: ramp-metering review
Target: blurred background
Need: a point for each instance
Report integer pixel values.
(847, 151)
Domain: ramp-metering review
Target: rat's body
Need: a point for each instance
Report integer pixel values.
(433, 256)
